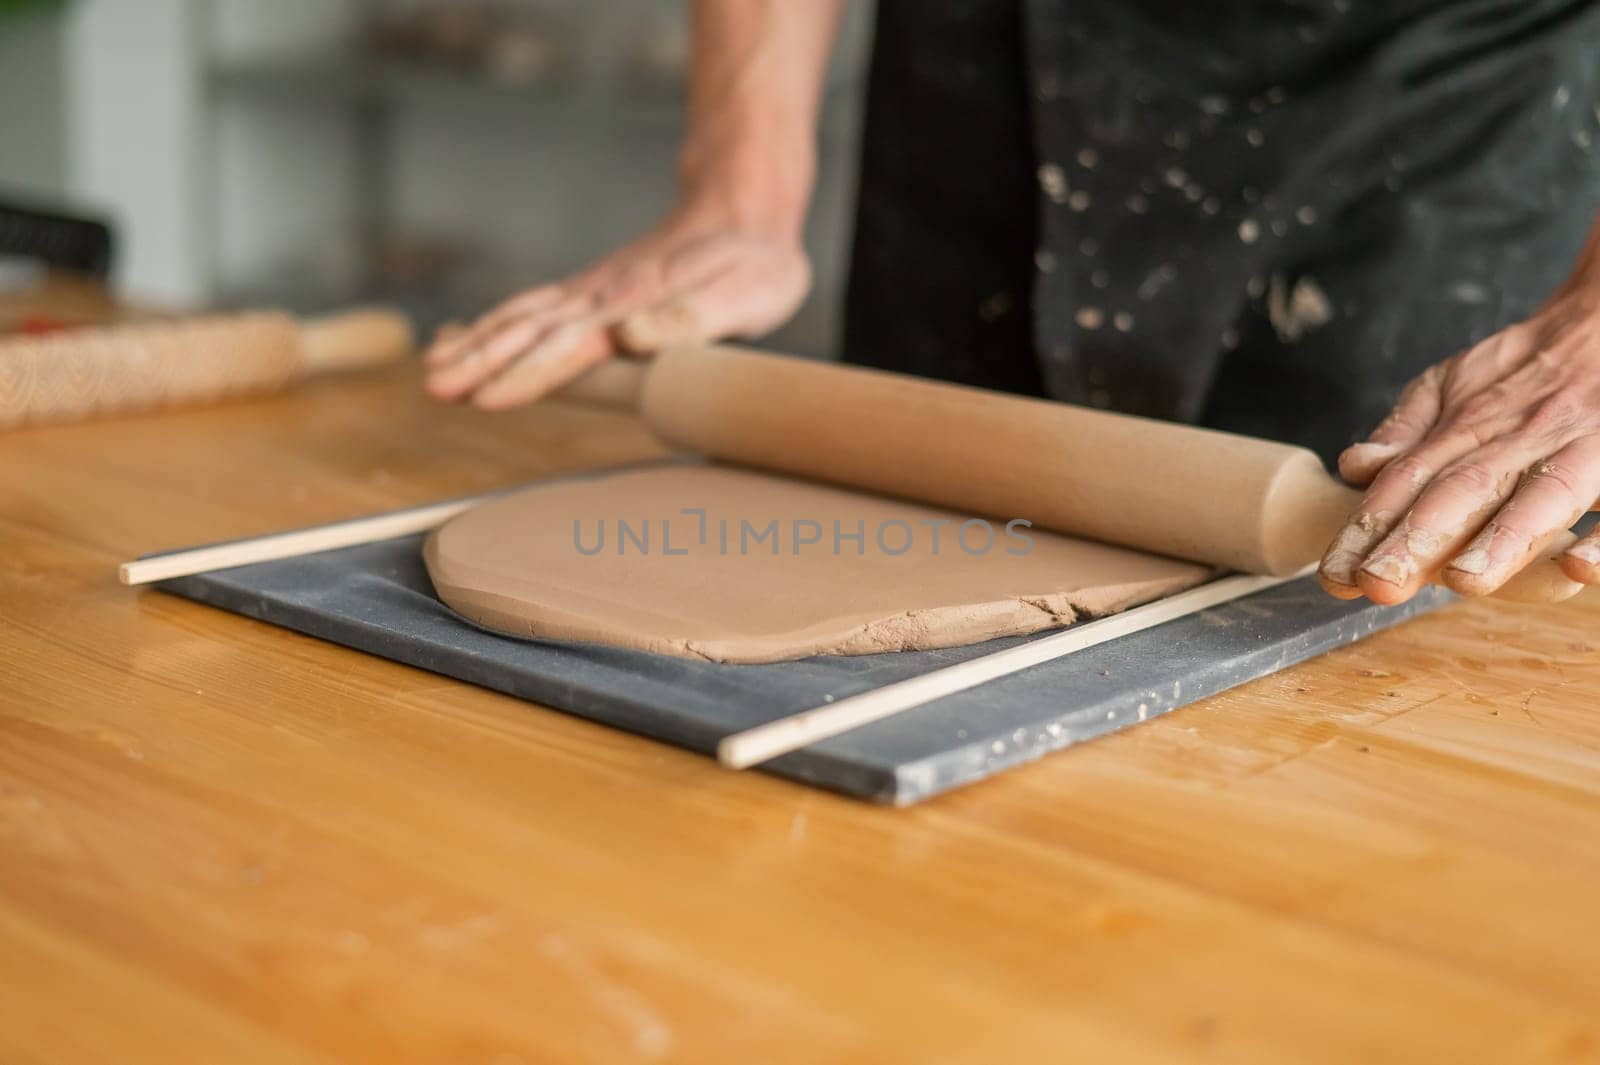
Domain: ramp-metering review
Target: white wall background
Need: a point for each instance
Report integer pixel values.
(133, 138)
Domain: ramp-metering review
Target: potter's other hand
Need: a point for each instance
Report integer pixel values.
(1485, 456)
(695, 278)
(728, 262)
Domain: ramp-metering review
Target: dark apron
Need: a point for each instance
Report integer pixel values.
(1259, 215)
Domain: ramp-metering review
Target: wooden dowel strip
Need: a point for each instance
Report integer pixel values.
(298, 542)
(765, 742)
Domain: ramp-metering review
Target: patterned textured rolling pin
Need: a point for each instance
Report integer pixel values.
(143, 366)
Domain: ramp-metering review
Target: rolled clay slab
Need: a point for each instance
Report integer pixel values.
(718, 563)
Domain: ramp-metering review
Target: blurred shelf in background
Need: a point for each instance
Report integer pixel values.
(354, 79)
(346, 79)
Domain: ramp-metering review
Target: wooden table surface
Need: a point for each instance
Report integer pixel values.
(224, 842)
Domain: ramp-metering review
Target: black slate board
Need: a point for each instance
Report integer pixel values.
(377, 598)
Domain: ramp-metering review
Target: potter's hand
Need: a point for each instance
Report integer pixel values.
(700, 276)
(1484, 456)
(728, 262)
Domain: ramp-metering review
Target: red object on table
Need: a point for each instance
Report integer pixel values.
(36, 324)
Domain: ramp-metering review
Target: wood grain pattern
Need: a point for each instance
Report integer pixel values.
(136, 367)
(221, 841)
(133, 368)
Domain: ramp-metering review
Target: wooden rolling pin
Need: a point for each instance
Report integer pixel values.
(142, 366)
(1229, 500)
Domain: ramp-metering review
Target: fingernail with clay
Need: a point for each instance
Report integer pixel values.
(649, 330)
(1586, 551)
(1474, 561)
(1480, 556)
(1350, 547)
(1362, 460)
(441, 342)
(1492, 551)
(635, 333)
(1398, 563)
(1371, 450)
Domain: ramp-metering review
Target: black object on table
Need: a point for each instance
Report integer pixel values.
(62, 241)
